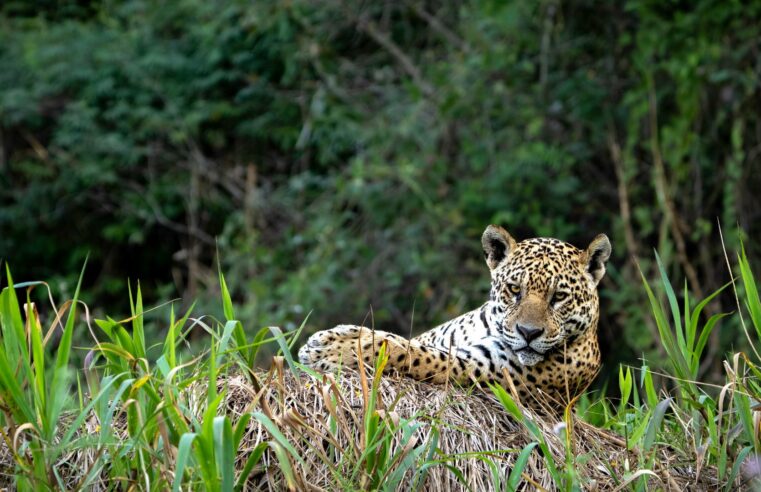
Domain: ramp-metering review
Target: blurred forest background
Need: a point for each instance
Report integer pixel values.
(343, 155)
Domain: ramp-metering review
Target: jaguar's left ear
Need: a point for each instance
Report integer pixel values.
(596, 256)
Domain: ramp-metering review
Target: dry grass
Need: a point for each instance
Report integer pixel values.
(468, 421)
(323, 418)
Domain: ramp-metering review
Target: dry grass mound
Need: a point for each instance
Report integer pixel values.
(321, 436)
(476, 446)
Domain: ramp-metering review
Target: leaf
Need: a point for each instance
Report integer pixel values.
(752, 302)
(671, 295)
(138, 331)
(703, 339)
(59, 383)
(280, 339)
(251, 462)
(625, 385)
(647, 382)
(507, 402)
(739, 460)
(225, 340)
(639, 430)
(224, 451)
(520, 463)
(227, 303)
(285, 465)
(278, 436)
(240, 429)
(675, 355)
(184, 450)
(38, 354)
(655, 423)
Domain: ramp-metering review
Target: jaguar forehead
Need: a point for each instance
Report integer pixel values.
(539, 253)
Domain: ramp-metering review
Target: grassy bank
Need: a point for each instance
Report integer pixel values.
(143, 416)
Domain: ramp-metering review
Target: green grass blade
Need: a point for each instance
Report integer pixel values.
(280, 339)
(752, 301)
(207, 424)
(625, 384)
(639, 428)
(671, 347)
(707, 329)
(241, 343)
(12, 352)
(647, 382)
(695, 317)
(59, 383)
(278, 436)
(138, 329)
(85, 413)
(407, 464)
(746, 418)
(204, 445)
(689, 328)
(170, 343)
(736, 467)
(520, 463)
(224, 452)
(285, 465)
(240, 429)
(184, 451)
(227, 303)
(10, 384)
(252, 460)
(298, 331)
(173, 334)
(38, 355)
(115, 402)
(655, 423)
(671, 296)
(211, 390)
(508, 402)
(11, 321)
(224, 342)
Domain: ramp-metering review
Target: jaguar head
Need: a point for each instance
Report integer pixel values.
(544, 291)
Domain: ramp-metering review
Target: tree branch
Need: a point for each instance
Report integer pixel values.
(438, 27)
(406, 63)
(623, 197)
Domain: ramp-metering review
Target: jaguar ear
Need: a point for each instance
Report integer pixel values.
(595, 257)
(497, 245)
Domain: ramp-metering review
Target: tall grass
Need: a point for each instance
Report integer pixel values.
(35, 393)
(133, 412)
(141, 427)
(154, 416)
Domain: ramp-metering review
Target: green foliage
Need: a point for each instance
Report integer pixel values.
(122, 381)
(34, 414)
(685, 350)
(348, 156)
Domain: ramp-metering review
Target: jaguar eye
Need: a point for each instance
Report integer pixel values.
(558, 297)
(514, 289)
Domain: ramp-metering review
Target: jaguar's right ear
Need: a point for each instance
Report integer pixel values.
(497, 244)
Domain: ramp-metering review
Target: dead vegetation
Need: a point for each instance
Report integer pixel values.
(432, 438)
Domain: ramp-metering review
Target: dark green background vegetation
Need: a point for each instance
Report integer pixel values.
(342, 155)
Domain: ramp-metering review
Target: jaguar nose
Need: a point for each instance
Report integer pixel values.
(529, 333)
